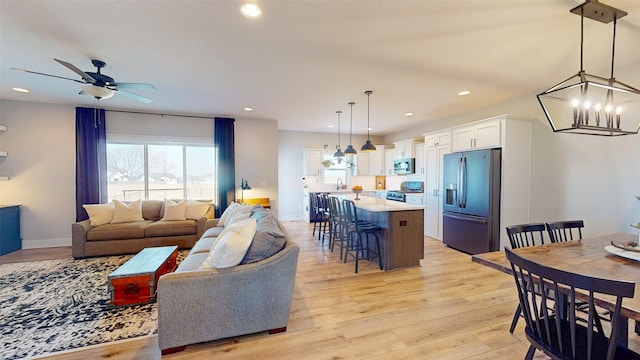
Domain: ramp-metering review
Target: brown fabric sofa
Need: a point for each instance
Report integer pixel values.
(131, 237)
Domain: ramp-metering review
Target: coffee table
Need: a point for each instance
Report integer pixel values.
(135, 282)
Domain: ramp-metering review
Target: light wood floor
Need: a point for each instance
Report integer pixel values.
(449, 308)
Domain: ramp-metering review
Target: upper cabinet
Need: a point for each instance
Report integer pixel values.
(377, 160)
(404, 149)
(483, 134)
(312, 160)
(363, 164)
(418, 150)
(435, 139)
(389, 155)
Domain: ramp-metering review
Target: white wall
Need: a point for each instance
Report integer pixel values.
(41, 164)
(41, 167)
(290, 161)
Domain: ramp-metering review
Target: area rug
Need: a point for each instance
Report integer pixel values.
(57, 305)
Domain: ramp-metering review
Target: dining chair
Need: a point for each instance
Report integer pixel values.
(560, 231)
(524, 235)
(562, 337)
(338, 221)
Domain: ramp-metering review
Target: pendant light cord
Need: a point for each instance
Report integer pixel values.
(351, 124)
(613, 46)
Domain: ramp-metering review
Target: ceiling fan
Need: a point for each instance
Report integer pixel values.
(98, 85)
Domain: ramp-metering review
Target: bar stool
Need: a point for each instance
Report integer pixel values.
(358, 232)
(338, 234)
(319, 218)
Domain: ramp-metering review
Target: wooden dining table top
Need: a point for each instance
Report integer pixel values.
(586, 257)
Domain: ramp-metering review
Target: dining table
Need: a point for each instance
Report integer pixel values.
(593, 256)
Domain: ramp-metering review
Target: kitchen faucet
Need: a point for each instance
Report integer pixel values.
(339, 184)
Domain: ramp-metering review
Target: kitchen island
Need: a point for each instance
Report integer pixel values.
(402, 237)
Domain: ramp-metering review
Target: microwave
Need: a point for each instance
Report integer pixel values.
(404, 166)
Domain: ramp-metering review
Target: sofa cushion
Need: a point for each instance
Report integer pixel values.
(196, 209)
(152, 209)
(233, 209)
(268, 240)
(202, 245)
(123, 212)
(171, 228)
(130, 230)
(192, 262)
(212, 232)
(99, 214)
(231, 246)
(174, 211)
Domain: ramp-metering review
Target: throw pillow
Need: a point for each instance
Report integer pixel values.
(99, 214)
(267, 241)
(239, 216)
(230, 247)
(232, 210)
(174, 211)
(196, 209)
(123, 213)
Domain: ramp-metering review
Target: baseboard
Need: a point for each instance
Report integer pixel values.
(290, 218)
(45, 243)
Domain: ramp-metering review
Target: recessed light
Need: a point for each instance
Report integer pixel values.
(408, 114)
(20, 90)
(330, 126)
(464, 93)
(370, 129)
(251, 11)
(248, 109)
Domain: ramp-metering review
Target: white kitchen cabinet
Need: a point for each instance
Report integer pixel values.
(478, 135)
(312, 162)
(438, 138)
(418, 151)
(404, 149)
(363, 164)
(389, 156)
(415, 199)
(377, 159)
(434, 157)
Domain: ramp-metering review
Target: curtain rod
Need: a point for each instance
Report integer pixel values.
(147, 113)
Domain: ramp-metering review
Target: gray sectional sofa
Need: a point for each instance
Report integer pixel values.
(203, 305)
(132, 237)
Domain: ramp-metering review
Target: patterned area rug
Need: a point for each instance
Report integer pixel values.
(56, 305)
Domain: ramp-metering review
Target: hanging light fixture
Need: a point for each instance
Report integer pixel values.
(368, 146)
(339, 155)
(350, 150)
(589, 104)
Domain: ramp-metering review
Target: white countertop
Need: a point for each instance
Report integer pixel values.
(380, 205)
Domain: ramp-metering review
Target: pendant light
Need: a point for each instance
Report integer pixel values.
(590, 104)
(368, 146)
(350, 150)
(338, 154)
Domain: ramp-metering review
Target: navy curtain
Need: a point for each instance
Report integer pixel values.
(226, 173)
(91, 159)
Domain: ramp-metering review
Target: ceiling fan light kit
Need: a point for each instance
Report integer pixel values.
(98, 85)
(589, 104)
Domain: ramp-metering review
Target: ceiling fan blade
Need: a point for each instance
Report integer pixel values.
(86, 77)
(135, 96)
(55, 76)
(143, 86)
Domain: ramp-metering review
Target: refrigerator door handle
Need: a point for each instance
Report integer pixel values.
(459, 184)
(463, 183)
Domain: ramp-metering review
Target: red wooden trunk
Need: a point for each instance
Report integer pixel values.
(136, 281)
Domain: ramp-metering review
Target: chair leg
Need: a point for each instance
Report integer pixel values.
(530, 353)
(516, 317)
(378, 249)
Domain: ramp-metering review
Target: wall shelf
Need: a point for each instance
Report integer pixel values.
(3, 128)
(4, 178)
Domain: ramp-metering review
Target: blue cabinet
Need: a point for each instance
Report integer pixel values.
(10, 229)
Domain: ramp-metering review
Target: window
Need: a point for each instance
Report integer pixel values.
(140, 170)
(335, 171)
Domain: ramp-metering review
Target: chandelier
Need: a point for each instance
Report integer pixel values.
(590, 104)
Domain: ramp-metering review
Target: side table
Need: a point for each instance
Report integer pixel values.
(10, 229)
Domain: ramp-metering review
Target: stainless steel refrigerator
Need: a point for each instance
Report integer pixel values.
(471, 208)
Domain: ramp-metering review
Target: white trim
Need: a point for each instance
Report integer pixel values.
(45, 243)
(151, 139)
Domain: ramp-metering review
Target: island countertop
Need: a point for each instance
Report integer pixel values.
(381, 205)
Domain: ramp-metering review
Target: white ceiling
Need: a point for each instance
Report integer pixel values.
(303, 60)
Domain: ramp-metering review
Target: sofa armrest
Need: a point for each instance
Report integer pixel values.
(198, 306)
(79, 238)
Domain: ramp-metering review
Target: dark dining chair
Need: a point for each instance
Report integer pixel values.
(524, 235)
(563, 337)
(560, 231)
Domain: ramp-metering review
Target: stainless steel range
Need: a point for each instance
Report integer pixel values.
(406, 187)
